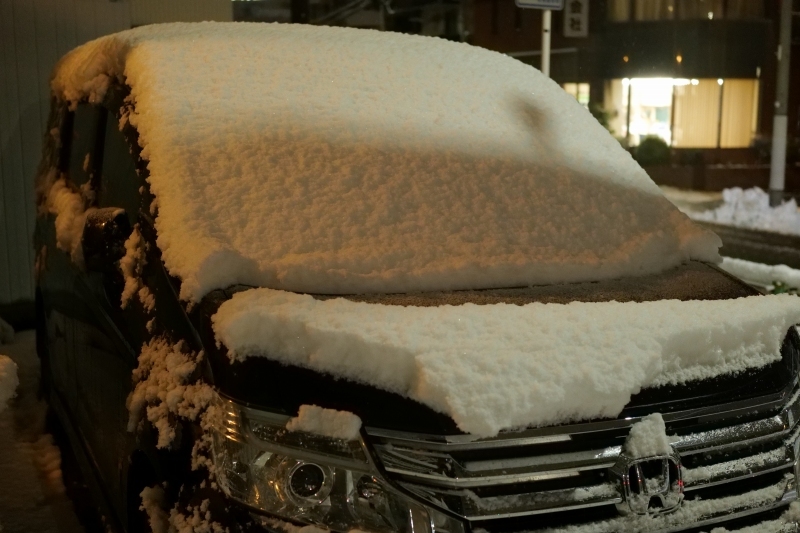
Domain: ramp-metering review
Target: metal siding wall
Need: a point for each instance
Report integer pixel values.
(33, 35)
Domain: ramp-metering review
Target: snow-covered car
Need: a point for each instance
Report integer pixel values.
(293, 278)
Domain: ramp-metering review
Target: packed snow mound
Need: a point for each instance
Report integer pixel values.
(336, 160)
(8, 380)
(327, 422)
(501, 366)
(648, 438)
(749, 208)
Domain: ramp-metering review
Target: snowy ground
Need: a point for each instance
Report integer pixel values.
(743, 208)
(33, 497)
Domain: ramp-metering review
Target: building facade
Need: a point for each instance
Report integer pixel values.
(700, 74)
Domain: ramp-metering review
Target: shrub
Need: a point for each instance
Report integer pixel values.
(652, 150)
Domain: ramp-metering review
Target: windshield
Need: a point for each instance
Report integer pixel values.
(690, 281)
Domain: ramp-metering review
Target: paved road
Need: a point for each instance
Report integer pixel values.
(758, 246)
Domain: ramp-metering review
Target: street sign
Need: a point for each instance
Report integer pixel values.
(554, 5)
(576, 19)
(547, 7)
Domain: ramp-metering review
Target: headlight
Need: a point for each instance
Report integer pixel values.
(327, 482)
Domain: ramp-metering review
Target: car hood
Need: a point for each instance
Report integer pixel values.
(273, 385)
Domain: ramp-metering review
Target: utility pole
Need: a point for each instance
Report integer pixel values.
(777, 173)
(547, 19)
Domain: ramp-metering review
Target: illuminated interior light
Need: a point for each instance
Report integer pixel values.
(679, 58)
(720, 81)
(625, 58)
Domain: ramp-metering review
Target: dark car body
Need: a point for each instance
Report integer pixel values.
(89, 347)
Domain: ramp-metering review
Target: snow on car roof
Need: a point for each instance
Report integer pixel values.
(335, 160)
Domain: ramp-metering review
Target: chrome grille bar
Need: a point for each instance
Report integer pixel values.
(437, 469)
(547, 435)
(442, 469)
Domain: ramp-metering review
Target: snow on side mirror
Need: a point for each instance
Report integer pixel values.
(104, 234)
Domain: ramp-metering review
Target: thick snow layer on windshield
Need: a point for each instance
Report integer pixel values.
(750, 209)
(336, 160)
(493, 367)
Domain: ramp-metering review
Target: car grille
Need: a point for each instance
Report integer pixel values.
(737, 462)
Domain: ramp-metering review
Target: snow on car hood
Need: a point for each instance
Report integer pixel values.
(501, 366)
(336, 160)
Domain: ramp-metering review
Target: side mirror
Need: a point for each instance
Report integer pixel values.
(104, 234)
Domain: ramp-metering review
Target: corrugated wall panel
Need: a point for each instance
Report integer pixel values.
(17, 241)
(33, 35)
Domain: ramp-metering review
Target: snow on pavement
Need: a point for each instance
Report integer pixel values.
(32, 494)
(749, 208)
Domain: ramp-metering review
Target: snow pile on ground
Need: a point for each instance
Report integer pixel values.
(164, 388)
(327, 422)
(493, 367)
(648, 438)
(750, 209)
(757, 273)
(8, 380)
(280, 156)
(32, 492)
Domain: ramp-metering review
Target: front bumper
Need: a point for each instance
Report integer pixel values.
(739, 466)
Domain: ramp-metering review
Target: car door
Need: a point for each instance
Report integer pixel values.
(79, 135)
(107, 338)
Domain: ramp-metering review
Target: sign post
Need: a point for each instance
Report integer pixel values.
(547, 6)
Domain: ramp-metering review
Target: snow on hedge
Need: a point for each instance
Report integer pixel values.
(494, 367)
(750, 209)
(337, 160)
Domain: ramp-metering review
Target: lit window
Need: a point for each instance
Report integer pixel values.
(579, 91)
(739, 113)
(687, 113)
